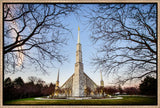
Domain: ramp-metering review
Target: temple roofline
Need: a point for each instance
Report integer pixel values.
(73, 75)
(67, 80)
(90, 79)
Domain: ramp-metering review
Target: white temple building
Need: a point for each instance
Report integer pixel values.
(75, 86)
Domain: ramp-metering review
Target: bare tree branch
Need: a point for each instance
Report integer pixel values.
(34, 27)
(128, 37)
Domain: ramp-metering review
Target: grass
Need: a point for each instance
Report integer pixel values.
(127, 100)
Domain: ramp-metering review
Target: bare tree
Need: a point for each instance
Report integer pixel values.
(127, 38)
(36, 80)
(34, 33)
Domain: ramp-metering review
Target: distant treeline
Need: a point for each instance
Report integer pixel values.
(18, 89)
(36, 87)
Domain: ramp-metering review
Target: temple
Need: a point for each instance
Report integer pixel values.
(79, 81)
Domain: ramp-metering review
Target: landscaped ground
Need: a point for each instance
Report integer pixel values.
(127, 100)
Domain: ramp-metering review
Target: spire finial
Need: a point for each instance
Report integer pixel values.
(78, 35)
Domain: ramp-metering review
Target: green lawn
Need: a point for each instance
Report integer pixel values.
(127, 100)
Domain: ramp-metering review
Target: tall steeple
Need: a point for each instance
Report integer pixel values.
(101, 76)
(57, 82)
(58, 76)
(101, 82)
(79, 50)
(78, 82)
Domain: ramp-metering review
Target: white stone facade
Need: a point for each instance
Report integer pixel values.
(88, 82)
(78, 83)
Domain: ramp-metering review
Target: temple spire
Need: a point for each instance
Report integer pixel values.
(78, 80)
(58, 75)
(101, 82)
(57, 82)
(78, 52)
(101, 76)
(78, 35)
